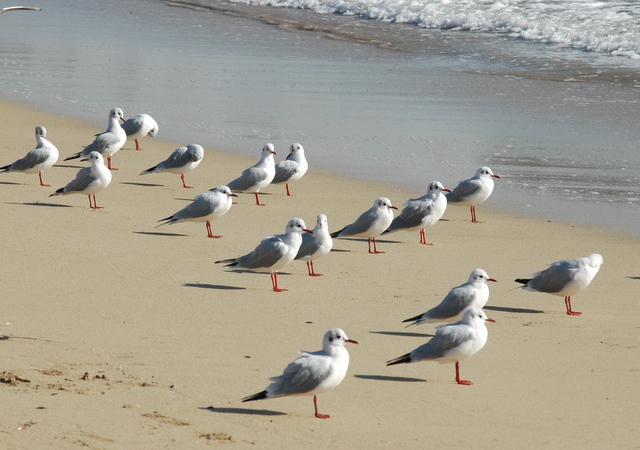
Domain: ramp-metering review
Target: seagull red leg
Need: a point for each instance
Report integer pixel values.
(138, 145)
(42, 182)
(375, 248)
(109, 164)
(567, 302)
(183, 182)
(473, 215)
(210, 232)
(258, 199)
(315, 404)
(288, 191)
(274, 282)
(458, 380)
(311, 269)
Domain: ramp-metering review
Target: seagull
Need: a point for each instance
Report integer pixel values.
(89, 180)
(452, 342)
(292, 168)
(472, 294)
(371, 223)
(316, 244)
(423, 212)
(312, 373)
(107, 143)
(473, 191)
(204, 208)
(37, 160)
(257, 177)
(274, 252)
(181, 161)
(565, 278)
(139, 126)
(19, 8)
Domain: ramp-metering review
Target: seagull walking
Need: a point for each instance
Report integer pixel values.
(473, 191)
(452, 342)
(565, 278)
(258, 176)
(204, 208)
(472, 294)
(423, 212)
(139, 126)
(371, 223)
(315, 245)
(108, 142)
(181, 161)
(292, 168)
(37, 160)
(273, 253)
(89, 180)
(312, 373)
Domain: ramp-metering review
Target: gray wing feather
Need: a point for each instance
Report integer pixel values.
(82, 180)
(464, 190)
(249, 178)
(178, 159)
(31, 159)
(361, 225)
(265, 255)
(447, 338)
(308, 247)
(555, 277)
(285, 170)
(301, 376)
(411, 216)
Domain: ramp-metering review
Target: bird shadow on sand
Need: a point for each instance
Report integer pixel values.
(388, 378)
(402, 333)
(220, 287)
(513, 310)
(251, 412)
(160, 233)
(634, 278)
(51, 205)
(131, 183)
(9, 183)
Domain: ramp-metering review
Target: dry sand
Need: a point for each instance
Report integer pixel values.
(120, 335)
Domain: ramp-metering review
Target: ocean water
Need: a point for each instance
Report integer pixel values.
(402, 92)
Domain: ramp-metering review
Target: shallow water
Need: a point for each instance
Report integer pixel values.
(372, 100)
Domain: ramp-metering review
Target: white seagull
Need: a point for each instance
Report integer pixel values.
(371, 223)
(108, 142)
(204, 208)
(139, 126)
(89, 180)
(181, 161)
(315, 245)
(423, 212)
(258, 176)
(472, 294)
(37, 160)
(292, 168)
(273, 253)
(473, 191)
(452, 342)
(312, 373)
(565, 278)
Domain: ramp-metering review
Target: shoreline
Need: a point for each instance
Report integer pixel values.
(123, 335)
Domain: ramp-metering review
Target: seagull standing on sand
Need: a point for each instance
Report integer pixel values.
(37, 160)
(292, 168)
(257, 177)
(312, 373)
(89, 180)
(452, 342)
(472, 294)
(473, 191)
(139, 126)
(565, 278)
(315, 245)
(273, 253)
(423, 212)
(371, 223)
(204, 208)
(108, 142)
(181, 161)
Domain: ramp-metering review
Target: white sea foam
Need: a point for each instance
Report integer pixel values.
(611, 27)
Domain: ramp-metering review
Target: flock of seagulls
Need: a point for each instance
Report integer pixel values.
(464, 332)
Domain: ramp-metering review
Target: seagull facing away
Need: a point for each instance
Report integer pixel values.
(89, 180)
(312, 373)
(273, 253)
(182, 160)
(371, 223)
(139, 126)
(315, 245)
(472, 294)
(258, 176)
(204, 208)
(292, 168)
(565, 278)
(452, 342)
(473, 191)
(37, 160)
(19, 8)
(108, 142)
(423, 212)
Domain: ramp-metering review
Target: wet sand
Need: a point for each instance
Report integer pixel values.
(121, 335)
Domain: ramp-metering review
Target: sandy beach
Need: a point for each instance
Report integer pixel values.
(120, 335)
